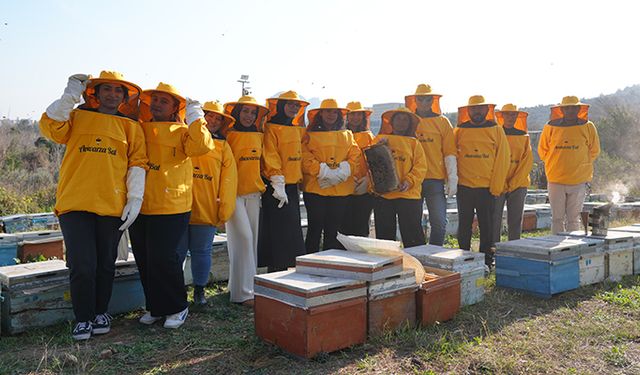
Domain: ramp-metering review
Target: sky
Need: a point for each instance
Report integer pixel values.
(523, 52)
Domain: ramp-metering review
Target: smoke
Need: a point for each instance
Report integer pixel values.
(616, 192)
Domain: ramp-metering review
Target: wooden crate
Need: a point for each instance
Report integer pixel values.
(391, 302)
(438, 298)
(35, 295)
(51, 247)
(349, 265)
(306, 315)
(529, 221)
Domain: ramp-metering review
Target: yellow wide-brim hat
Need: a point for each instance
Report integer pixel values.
(569, 101)
(387, 116)
(272, 104)
(474, 101)
(423, 89)
(326, 104)
(251, 101)
(145, 101)
(216, 107)
(521, 120)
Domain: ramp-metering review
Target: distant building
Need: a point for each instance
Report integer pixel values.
(378, 110)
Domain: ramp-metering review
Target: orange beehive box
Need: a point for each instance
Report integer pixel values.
(392, 302)
(46, 243)
(438, 298)
(306, 315)
(529, 221)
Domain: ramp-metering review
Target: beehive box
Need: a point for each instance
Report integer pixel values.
(529, 220)
(306, 314)
(591, 258)
(619, 249)
(471, 267)
(391, 302)
(16, 223)
(634, 230)
(127, 294)
(8, 249)
(44, 221)
(349, 265)
(438, 298)
(49, 244)
(35, 295)
(539, 267)
(422, 251)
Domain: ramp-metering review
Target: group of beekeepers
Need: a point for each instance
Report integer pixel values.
(172, 170)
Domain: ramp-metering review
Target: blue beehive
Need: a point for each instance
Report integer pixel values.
(8, 249)
(127, 294)
(539, 267)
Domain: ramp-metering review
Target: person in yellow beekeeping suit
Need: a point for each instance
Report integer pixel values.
(514, 123)
(483, 164)
(280, 239)
(330, 157)
(161, 230)
(100, 188)
(402, 207)
(245, 138)
(436, 137)
(360, 204)
(215, 183)
(568, 146)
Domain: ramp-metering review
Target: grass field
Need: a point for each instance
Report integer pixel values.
(592, 330)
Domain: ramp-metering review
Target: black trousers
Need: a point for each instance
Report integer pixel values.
(357, 215)
(479, 202)
(324, 216)
(280, 238)
(409, 218)
(91, 243)
(155, 240)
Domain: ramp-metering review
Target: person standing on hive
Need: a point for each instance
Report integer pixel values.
(514, 123)
(483, 163)
(95, 210)
(568, 146)
(435, 134)
(280, 239)
(215, 182)
(162, 227)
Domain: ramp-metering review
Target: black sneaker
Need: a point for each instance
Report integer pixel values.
(82, 331)
(198, 296)
(101, 324)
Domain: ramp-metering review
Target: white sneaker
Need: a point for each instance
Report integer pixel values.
(177, 319)
(148, 319)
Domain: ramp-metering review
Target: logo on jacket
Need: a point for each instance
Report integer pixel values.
(154, 167)
(294, 158)
(98, 150)
(477, 155)
(203, 176)
(567, 147)
(426, 140)
(98, 140)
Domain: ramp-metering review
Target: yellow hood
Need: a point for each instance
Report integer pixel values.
(423, 90)
(290, 95)
(521, 120)
(583, 113)
(326, 104)
(357, 107)
(216, 107)
(476, 100)
(233, 109)
(387, 127)
(145, 102)
(129, 106)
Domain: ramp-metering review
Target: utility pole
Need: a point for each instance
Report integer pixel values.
(244, 80)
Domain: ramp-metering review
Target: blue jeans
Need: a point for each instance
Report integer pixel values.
(200, 247)
(433, 193)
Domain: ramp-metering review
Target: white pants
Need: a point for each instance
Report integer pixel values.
(242, 244)
(566, 204)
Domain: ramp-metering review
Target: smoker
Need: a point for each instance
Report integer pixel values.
(598, 220)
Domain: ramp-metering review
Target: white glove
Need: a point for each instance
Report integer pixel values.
(277, 182)
(328, 177)
(61, 108)
(194, 111)
(135, 192)
(362, 186)
(451, 163)
(344, 171)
